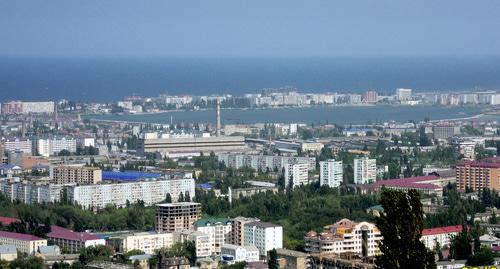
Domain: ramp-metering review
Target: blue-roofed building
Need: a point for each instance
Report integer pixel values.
(10, 169)
(128, 175)
(8, 252)
(205, 186)
(142, 259)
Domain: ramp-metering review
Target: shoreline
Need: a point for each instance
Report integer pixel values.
(315, 114)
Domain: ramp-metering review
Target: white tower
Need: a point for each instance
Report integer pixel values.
(217, 124)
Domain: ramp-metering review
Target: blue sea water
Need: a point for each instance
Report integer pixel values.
(316, 115)
(112, 78)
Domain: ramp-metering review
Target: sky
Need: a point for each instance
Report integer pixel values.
(249, 28)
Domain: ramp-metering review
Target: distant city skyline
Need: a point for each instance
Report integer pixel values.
(237, 28)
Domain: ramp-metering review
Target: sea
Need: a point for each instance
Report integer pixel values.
(110, 79)
(344, 115)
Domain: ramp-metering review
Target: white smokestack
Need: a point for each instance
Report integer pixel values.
(217, 124)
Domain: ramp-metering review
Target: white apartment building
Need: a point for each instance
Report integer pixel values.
(263, 162)
(148, 191)
(200, 240)
(52, 146)
(263, 235)
(38, 107)
(15, 144)
(296, 174)
(331, 173)
(238, 230)
(86, 142)
(240, 253)
(218, 230)
(466, 145)
(126, 104)
(441, 235)
(26, 243)
(345, 236)
(30, 192)
(365, 170)
(403, 94)
(145, 241)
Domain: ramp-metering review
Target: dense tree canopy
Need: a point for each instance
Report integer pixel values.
(401, 226)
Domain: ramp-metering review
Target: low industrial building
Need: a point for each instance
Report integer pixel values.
(191, 145)
(233, 253)
(291, 259)
(425, 184)
(26, 243)
(71, 241)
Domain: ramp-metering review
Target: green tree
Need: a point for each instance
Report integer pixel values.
(64, 152)
(273, 259)
(27, 262)
(100, 253)
(481, 258)
(438, 250)
(401, 226)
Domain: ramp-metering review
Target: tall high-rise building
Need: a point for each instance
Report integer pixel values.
(238, 229)
(403, 94)
(331, 173)
(296, 174)
(171, 217)
(365, 170)
(370, 96)
(478, 175)
(68, 174)
(445, 131)
(264, 235)
(52, 146)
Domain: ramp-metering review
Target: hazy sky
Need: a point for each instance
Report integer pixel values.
(250, 28)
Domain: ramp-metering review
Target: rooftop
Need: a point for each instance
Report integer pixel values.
(128, 175)
(18, 236)
(234, 247)
(212, 221)
(262, 224)
(442, 230)
(410, 183)
(178, 204)
(60, 232)
(8, 220)
(485, 163)
(291, 253)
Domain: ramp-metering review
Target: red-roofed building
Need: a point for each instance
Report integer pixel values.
(5, 221)
(425, 184)
(441, 235)
(73, 241)
(23, 242)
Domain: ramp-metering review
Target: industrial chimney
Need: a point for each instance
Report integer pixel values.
(217, 124)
